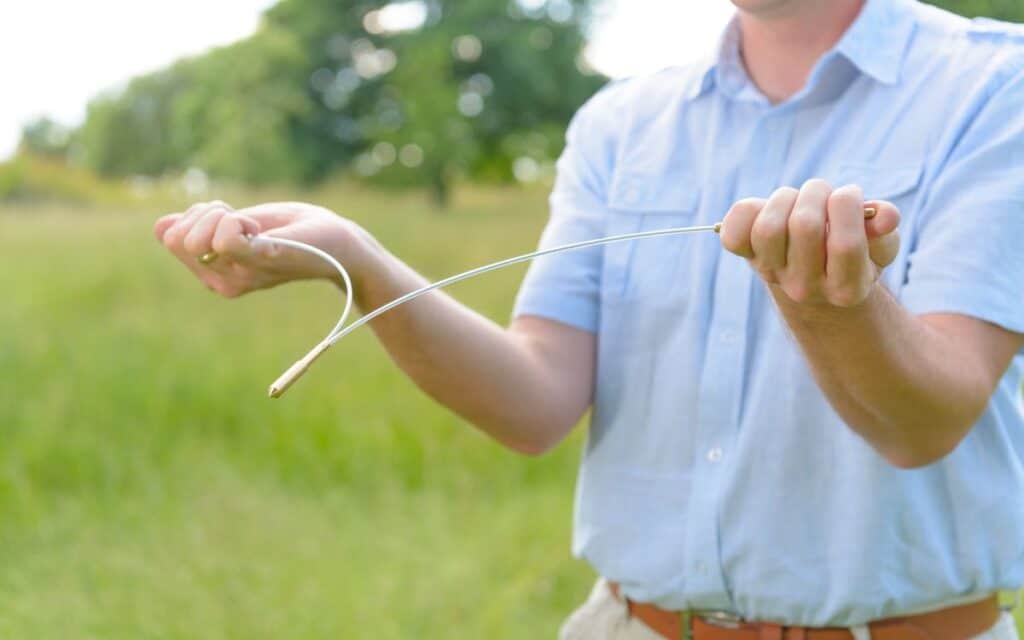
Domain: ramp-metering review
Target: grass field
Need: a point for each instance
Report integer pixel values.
(148, 489)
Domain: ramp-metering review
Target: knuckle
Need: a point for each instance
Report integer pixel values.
(806, 223)
(817, 185)
(768, 229)
(785, 193)
(748, 207)
(845, 196)
(214, 213)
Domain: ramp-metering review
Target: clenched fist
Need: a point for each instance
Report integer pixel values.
(815, 243)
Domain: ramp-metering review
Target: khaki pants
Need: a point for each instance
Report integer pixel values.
(602, 617)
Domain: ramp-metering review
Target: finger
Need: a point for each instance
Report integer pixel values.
(883, 233)
(737, 224)
(199, 240)
(175, 235)
(769, 236)
(805, 258)
(271, 215)
(174, 238)
(846, 244)
(231, 237)
(164, 223)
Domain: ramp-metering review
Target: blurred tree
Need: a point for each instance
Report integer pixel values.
(429, 89)
(132, 132)
(229, 112)
(1012, 10)
(45, 137)
(411, 92)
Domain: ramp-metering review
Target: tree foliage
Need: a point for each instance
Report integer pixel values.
(466, 87)
(46, 138)
(1011, 10)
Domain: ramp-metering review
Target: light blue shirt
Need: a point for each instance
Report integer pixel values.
(716, 474)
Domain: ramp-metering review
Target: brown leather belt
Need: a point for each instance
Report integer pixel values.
(955, 623)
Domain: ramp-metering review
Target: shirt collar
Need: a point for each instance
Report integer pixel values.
(876, 44)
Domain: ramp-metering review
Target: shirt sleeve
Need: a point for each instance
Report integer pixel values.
(969, 251)
(565, 287)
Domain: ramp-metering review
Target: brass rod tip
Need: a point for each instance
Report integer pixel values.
(294, 372)
(870, 212)
(718, 227)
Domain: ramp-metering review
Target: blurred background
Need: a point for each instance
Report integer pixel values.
(147, 488)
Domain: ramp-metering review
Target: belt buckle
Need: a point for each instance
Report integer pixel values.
(718, 618)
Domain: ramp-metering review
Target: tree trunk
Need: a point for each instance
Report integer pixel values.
(440, 188)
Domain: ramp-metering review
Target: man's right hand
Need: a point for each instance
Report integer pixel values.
(241, 266)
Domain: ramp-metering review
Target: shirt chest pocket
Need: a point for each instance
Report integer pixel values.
(647, 271)
(898, 183)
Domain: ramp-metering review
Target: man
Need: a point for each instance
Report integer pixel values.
(822, 428)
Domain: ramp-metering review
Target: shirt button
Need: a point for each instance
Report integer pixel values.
(715, 454)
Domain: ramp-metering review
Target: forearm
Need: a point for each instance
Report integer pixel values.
(498, 379)
(908, 389)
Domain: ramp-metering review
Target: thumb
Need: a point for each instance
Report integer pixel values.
(300, 231)
(884, 221)
(883, 233)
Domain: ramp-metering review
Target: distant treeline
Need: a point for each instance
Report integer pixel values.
(410, 92)
(406, 92)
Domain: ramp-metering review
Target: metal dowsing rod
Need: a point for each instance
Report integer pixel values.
(296, 371)
(289, 377)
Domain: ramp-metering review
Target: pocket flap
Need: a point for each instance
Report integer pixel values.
(881, 182)
(653, 193)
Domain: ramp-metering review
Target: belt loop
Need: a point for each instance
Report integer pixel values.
(687, 621)
(861, 632)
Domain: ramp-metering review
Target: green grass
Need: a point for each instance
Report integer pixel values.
(148, 489)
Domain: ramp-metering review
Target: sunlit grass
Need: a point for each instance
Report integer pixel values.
(148, 488)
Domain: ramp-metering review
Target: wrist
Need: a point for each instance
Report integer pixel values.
(351, 246)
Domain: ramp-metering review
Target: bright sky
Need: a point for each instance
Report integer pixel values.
(58, 53)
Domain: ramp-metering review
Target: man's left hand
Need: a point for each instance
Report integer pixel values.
(815, 244)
